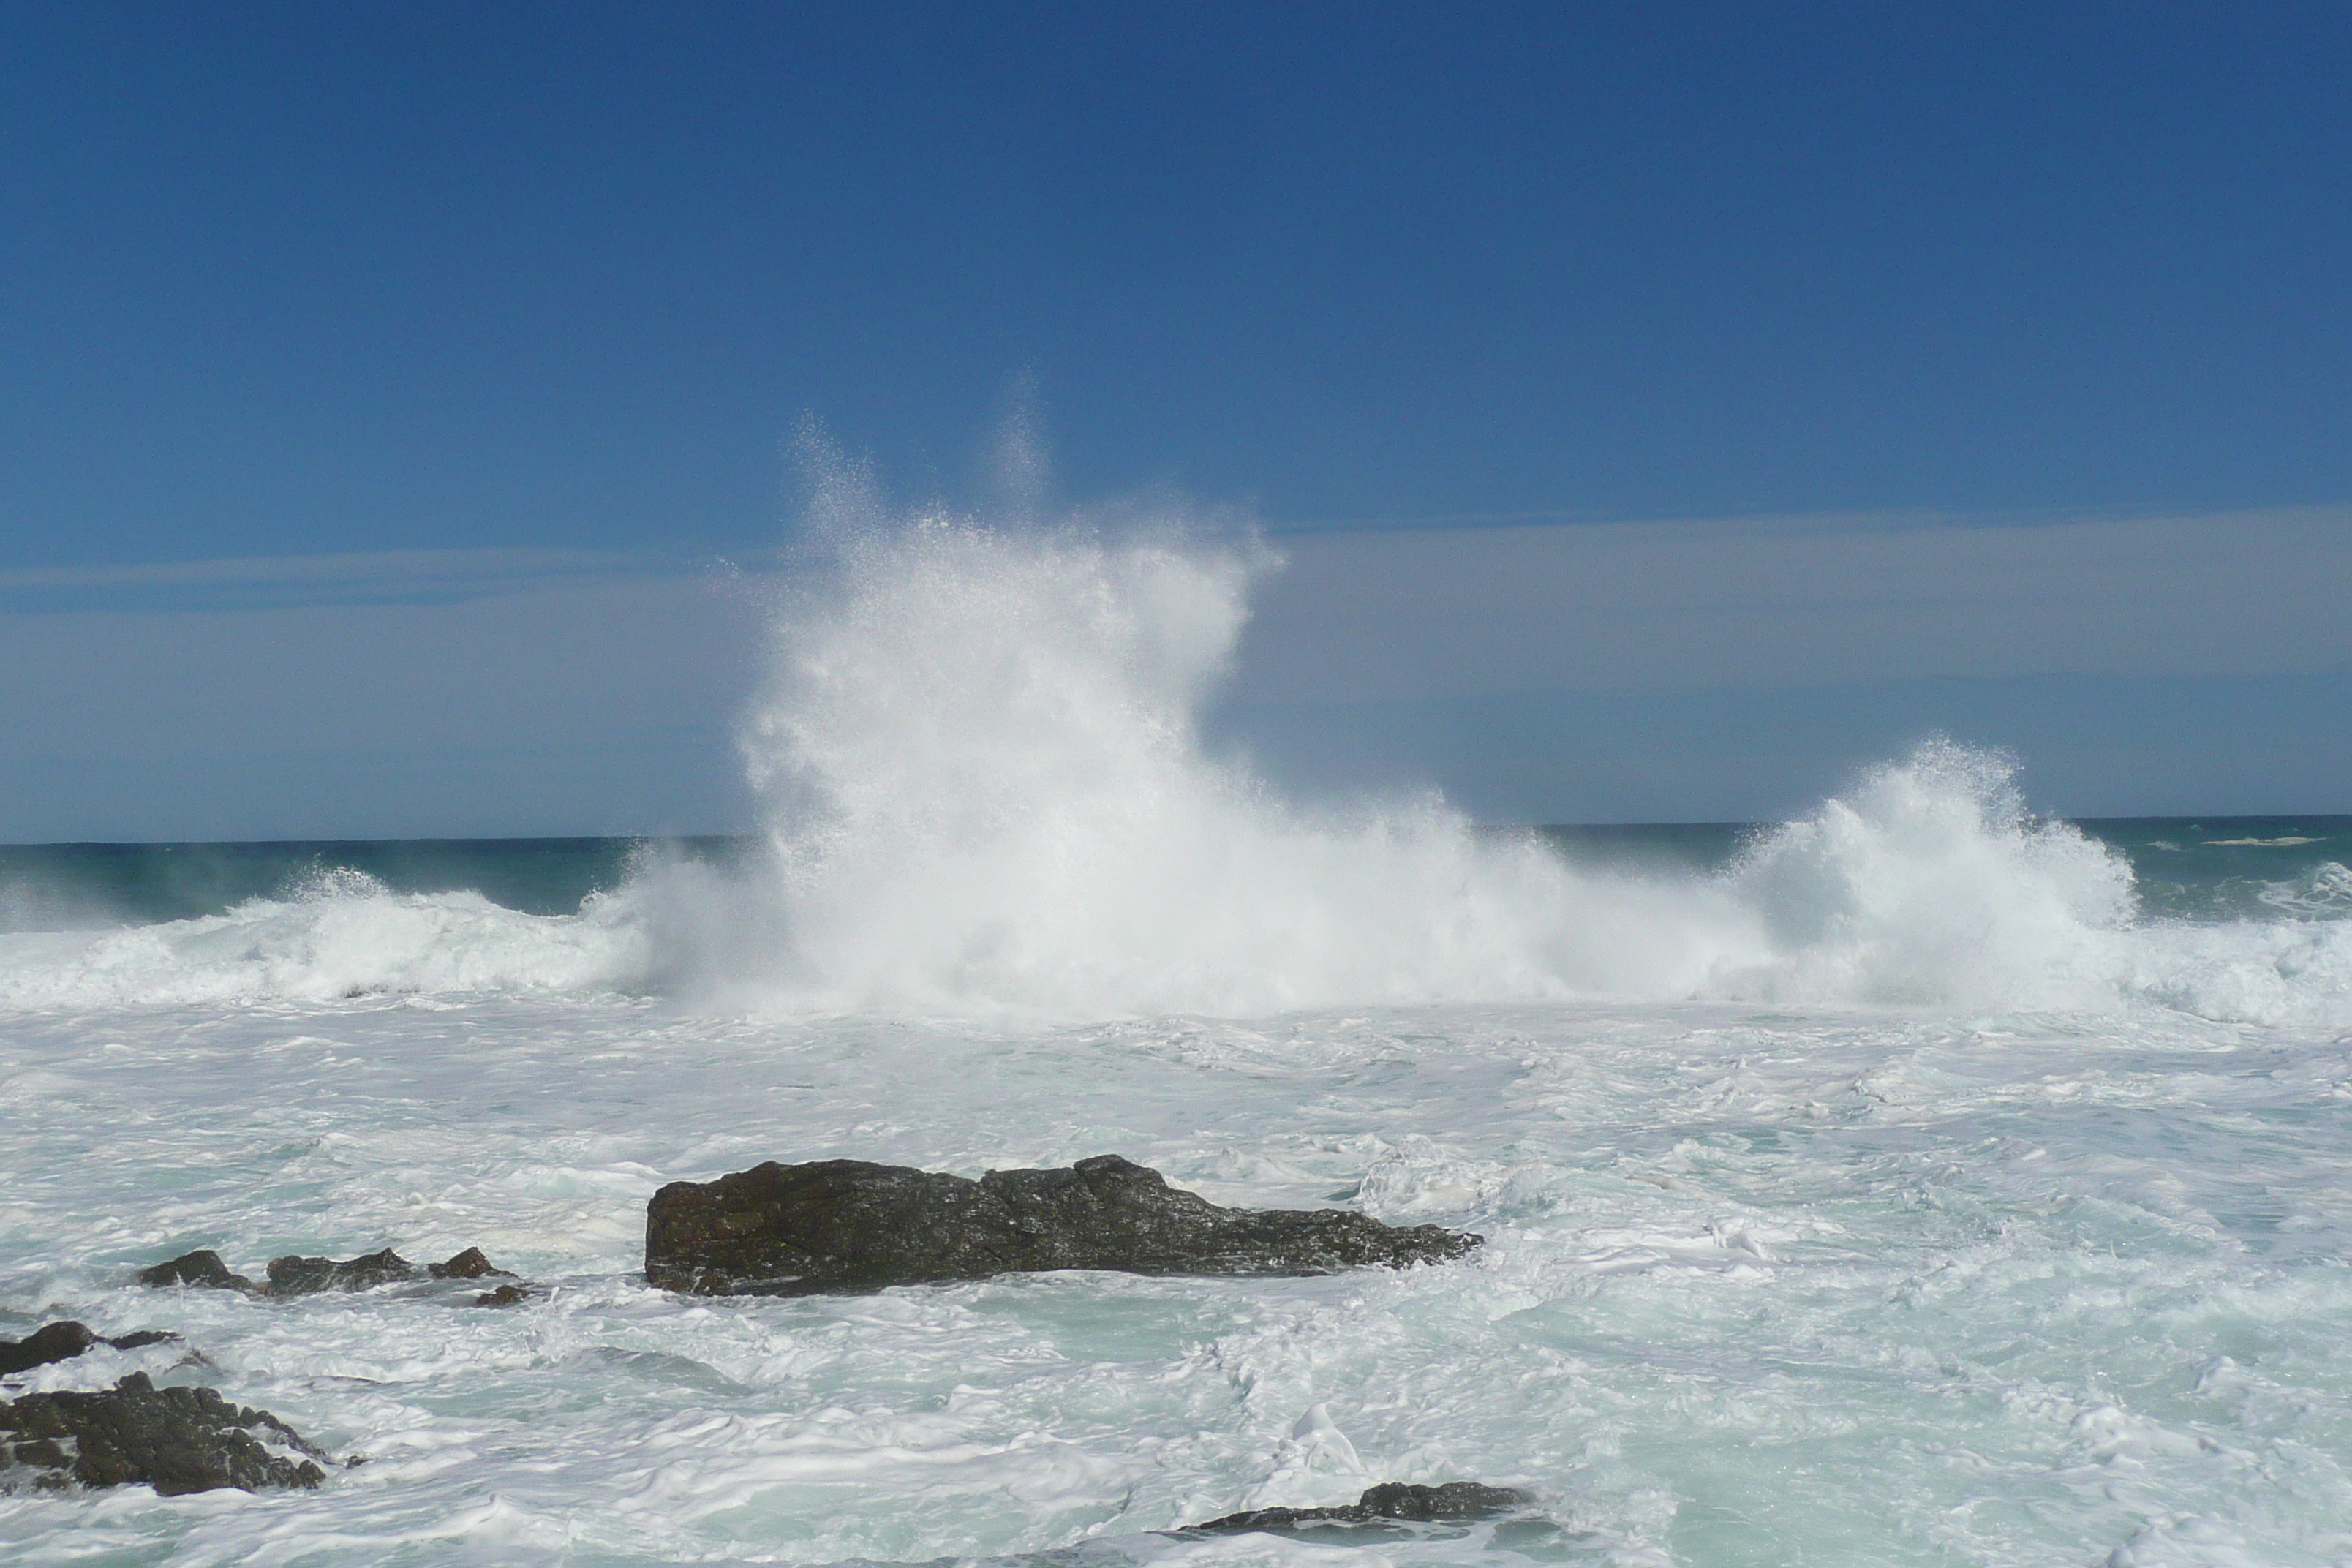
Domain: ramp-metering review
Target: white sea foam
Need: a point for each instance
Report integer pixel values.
(1761, 1283)
(2288, 841)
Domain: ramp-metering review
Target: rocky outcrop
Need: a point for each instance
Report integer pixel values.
(848, 1226)
(1456, 1501)
(307, 1276)
(63, 1341)
(174, 1439)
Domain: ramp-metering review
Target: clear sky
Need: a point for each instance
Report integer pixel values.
(550, 286)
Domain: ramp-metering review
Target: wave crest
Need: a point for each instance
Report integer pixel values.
(339, 933)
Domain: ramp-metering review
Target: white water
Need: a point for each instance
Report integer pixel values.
(1897, 1195)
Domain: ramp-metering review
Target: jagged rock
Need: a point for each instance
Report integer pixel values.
(470, 1264)
(63, 1341)
(175, 1440)
(1463, 1500)
(307, 1276)
(504, 1296)
(848, 1226)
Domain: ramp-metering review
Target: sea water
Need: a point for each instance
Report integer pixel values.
(1921, 1181)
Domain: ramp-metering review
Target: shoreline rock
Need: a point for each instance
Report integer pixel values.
(1462, 1501)
(64, 1341)
(176, 1440)
(849, 1225)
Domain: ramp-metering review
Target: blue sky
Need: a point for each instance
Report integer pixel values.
(379, 315)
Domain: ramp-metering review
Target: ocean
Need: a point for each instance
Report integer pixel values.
(1923, 1180)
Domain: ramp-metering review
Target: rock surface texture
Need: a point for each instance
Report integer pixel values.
(838, 1226)
(63, 1341)
(175, 1440)
(1456, 1501)
(307, 1276)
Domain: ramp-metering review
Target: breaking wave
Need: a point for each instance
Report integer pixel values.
(987, 790)
(340, 934)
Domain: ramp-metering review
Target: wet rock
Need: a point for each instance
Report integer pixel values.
(200, 1268)
(174, 1439)
(504, 1296)
(63, 1341)
(849, 1225)
(307, 1276)
(470, 1264)
(1454, 1501)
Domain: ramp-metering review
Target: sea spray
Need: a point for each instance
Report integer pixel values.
(979, 756)
(988, 788)
(987, 791)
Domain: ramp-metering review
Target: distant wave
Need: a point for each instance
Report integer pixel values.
(342, 935)
(986, 791)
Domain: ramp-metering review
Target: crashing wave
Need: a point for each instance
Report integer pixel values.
(986, 790)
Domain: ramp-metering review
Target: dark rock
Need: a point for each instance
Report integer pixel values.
(201, 1267)
(63, 1341)
(307, 1276)
(1456, 1501)
(468, 1265)
(847, 1226)
(504, 1296)
(175, 1440)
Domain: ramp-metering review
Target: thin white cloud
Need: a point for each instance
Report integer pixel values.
(394, 565)
(318, 703)
(289, 581)
(1815, 602)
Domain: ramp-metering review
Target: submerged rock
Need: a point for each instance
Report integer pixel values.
(307, 1276)
(1456, 1501)
(848, 1226)
(505, 1296)
(63, 1341)
(175, 1440)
